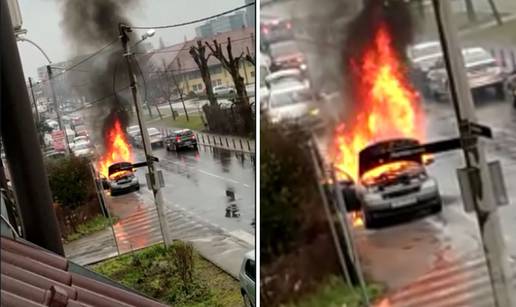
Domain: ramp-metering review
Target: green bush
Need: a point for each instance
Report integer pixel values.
(288, 188)
(71, 181)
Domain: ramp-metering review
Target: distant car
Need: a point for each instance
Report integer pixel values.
(399, 186)
(84, 149)
(223, 90)
(181, 139)
(121, 178)
(132, 132)
(247, 279)
(292, 75)
(275, 30)
(79, 139)
(483, 71)
(81, 130)
(425, 55)
(294, 104)
(155, 138)
(287, 54)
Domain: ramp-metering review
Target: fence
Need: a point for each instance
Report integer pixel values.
(228, 142)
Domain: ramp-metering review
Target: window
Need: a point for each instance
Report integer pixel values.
(219, 82)
(250, 269)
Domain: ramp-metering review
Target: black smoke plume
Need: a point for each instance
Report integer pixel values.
(89, 25)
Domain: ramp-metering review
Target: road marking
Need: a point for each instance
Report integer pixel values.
(217, 176)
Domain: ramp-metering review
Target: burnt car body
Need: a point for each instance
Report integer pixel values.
(181, 139)
(395, 187)
(121, 178)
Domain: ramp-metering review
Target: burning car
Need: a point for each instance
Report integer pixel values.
(121, 178)
(398, 186)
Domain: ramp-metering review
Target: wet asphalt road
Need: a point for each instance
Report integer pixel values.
(196, 181)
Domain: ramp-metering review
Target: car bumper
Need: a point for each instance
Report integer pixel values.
(387, 209)
(186, 144)
(125, 188)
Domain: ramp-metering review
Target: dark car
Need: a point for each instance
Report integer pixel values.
(181, 139)
(122, 179)
(389, 188)
(286, 55)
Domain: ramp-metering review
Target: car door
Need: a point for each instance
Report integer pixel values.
(250, 279)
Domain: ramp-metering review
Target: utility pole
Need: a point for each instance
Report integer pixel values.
(28, 173)
(58, 110)
(34, 100)
(153, 176)
(483, 197)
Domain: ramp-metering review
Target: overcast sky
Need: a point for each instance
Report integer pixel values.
(42, 17)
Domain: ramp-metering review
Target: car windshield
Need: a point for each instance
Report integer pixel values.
(285, 98)
(153, 131)
(283, 48)
(478, 57)
(391, 171)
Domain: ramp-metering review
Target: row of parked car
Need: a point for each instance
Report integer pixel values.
(173, 141)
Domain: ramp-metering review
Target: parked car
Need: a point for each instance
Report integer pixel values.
(81, 130)
(294, 104)
(247, 278)
(121, 178)
(425, 55)
(155, 138)
(132, 132)
(395, 187)
(223, 90)
(79, 139)
(250, 90)
(287, 54)
(181, 139)
(483, 71)
(84, 149)
(292, 75)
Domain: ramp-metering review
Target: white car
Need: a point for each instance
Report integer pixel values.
(155, 137)
(247, 279)
(132, 132)
(482, 70)
(425, 55)
(293, 104)
(286, 76)
(223, 90)
(250, 90)
(84, 149)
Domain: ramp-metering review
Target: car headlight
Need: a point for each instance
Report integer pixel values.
(275, 119)
(372, 198)
(303, 67)
(314, 112)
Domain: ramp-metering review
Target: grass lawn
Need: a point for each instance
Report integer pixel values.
(195, 122)
(334, 293)
(498, 35)
(160, 273)
(93, 225)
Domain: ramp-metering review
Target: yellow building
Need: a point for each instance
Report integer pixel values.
(176, 60)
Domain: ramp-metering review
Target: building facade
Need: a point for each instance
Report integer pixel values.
(221, 24)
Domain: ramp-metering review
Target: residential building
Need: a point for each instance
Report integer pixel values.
(221, 24)
(177, 60)
(250, 14)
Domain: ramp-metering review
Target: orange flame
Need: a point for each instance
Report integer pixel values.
(117, 149)
(357, 219)
(389, 105)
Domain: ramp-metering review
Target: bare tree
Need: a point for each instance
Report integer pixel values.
(232, 65)
(179, 90)
(250, 58)
(201, 59)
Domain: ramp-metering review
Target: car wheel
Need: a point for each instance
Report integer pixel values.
(174, 147)
(167, 148)
(247, 301)
(437, 208)
(499, 91)
(369, 221)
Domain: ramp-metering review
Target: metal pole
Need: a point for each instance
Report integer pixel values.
(473, 147)
(329, 217)
(34, 100)
(28, 173)
(156, 191)
(58, 111)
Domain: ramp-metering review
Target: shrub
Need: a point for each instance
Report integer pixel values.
(288, 189)
(71, 181)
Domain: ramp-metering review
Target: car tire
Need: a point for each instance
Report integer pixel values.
(369, 221)
(167, 148)
(437, 208)
(247, 301)
(499, 91)
(174, 147)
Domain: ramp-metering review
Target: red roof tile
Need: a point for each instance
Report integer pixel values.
(32, 276)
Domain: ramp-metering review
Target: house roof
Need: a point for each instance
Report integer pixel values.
(32, 276)
(177, 57)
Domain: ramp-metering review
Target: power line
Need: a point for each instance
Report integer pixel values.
(185, 49)
(194, 21)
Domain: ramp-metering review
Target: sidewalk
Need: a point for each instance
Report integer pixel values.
(138, 227)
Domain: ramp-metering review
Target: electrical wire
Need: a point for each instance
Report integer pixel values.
(188, 48)
(83, 60)
(194, 21)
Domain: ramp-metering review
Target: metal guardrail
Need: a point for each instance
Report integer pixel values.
(220, 141)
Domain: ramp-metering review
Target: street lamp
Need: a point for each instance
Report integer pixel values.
(146, 35)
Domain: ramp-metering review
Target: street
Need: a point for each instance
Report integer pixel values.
(435, 260)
